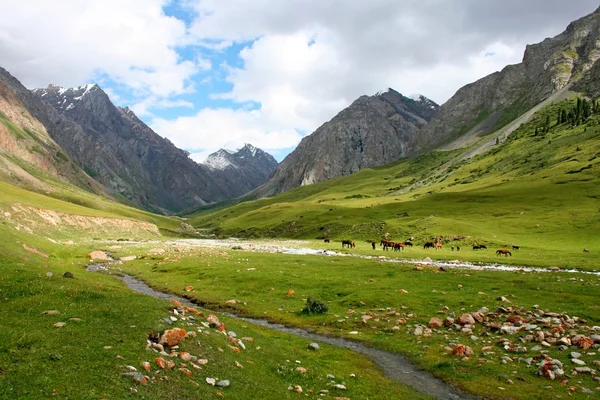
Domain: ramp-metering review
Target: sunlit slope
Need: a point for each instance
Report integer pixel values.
(530, 189)
(78, 214)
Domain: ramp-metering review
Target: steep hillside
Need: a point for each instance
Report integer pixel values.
(29, 157)
(494, 101)
(538, 189)
(372, 131)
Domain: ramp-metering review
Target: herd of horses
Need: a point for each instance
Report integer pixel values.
(400, 246)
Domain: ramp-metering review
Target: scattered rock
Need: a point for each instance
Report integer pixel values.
(50, 312)
(211, 381)
(128, 258)
(98, 255)
(68, 275)
(223, 383)
(172, 337)
(313, 346)
(137, 377)
(60, 324)
(435, 323)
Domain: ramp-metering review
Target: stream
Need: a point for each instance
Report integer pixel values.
(393, 365)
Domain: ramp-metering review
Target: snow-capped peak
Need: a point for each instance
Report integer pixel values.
(220, 160)
(251, 149)
(65, 98)
(381, 92)
(424, 101)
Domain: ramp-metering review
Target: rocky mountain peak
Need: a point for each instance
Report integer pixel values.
(248, 155)
(66, 99)
(372, 131)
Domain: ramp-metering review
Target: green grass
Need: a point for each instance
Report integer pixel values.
(539, 192)
(38, 360)
(260, 283)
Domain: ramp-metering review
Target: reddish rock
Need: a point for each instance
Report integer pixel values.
(221, 327)
(466, 319)
(435, 323)
(188, 288)
(462, 350)
(585, 342)
(170, 364)
(98, 255)
(477, 316)
(212, 320)
(172, 337)
(185, 371)
(162, 364)
(176, 303)
(185, 356)
(449, 321)
(192, 311)
(146, 365)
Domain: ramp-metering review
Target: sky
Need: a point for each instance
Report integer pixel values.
(209, 74)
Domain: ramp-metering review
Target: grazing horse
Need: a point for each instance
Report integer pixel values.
(479, 247)
(408, 243)
(503, 251)
(373, 245)
(347, 243)
(515, 247)
(386, 243)
(438, 246)
(429, 245)
(398, 246)
(326, 241)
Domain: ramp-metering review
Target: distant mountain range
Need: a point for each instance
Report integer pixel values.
(127, 160)
(113, 146)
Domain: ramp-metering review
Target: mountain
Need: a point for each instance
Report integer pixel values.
(548, 71)
(29, 157)
(120, 151)
(244, 169)
(372, 131)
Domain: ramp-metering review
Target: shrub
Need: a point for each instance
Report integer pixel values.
(314, 306)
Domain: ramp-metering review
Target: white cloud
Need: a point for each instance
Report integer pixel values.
(304, 60)
(211, 129)
(71, 42)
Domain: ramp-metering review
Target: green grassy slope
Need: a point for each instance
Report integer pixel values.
(538, 191)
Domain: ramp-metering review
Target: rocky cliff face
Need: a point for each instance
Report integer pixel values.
(569, 59)
(116, 148)
(372, 131)
(245, 169)
(29, 157)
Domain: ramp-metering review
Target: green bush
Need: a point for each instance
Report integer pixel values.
(314, 306)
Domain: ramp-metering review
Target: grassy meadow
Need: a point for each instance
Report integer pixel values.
(538, 191)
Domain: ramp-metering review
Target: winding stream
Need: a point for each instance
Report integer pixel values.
(393, 365)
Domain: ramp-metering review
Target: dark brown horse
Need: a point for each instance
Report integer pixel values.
(348, 243)
(326, 241)
(515, 247)
(429, 245)
(504, 252)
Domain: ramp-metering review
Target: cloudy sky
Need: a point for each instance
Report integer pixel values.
(214, 73)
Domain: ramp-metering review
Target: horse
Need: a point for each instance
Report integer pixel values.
(326, 241)
(515, 247)
(408, 244)
(373, 245)
(503, 251)
(429, 245)
(479, 246)
(438, 246)
(386, 243)
(586, 250)
(398, 246)
(347, 243)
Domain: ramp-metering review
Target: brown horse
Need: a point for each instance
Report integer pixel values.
(504, 252)
(438, 246)
(398, 246)
(386, 243)
(326, 241)
(348, 243)
(429, 245)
